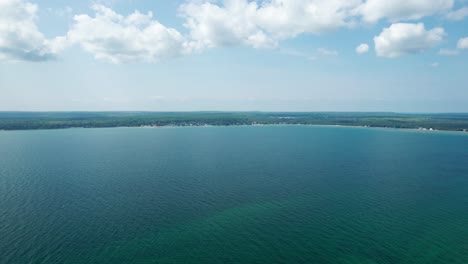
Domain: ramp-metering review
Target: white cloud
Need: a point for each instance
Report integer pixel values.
(61, 12)
(363, 48)
(288, 18)
(212, 25)
(118, 39)
(459, 14)
(434, 64)
(406, 38)
(397, 10)
(20, 38)
(448, 52)
(262, 23)
(139, 37)
(463, 43)
(327, 52)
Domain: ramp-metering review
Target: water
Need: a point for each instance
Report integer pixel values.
(273, 194)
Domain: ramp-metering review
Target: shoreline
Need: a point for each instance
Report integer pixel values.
(67, 120)
(317, 125)
(253, 125)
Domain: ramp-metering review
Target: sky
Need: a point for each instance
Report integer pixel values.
(234, 55)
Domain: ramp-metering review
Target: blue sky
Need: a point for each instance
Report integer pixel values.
(277, 55)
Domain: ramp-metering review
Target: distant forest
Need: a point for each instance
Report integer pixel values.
(57, 120)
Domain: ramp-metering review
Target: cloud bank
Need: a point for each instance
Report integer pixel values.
(138, 37)
(262, 24)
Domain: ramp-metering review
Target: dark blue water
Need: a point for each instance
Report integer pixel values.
(273, 194)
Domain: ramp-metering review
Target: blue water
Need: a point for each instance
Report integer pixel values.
(270, 194)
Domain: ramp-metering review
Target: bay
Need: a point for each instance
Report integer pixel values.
(253, 194)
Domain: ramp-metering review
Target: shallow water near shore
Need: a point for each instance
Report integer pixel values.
(250, 194)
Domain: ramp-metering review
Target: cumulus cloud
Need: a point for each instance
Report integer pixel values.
(463, 43)
(362, 48)
(262, 23)
(459, 14)
(406, 38)
(212, 25)
(398, 10)
(20, 38)
(116, 38)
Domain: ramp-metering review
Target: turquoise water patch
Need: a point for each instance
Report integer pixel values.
(233, 195)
